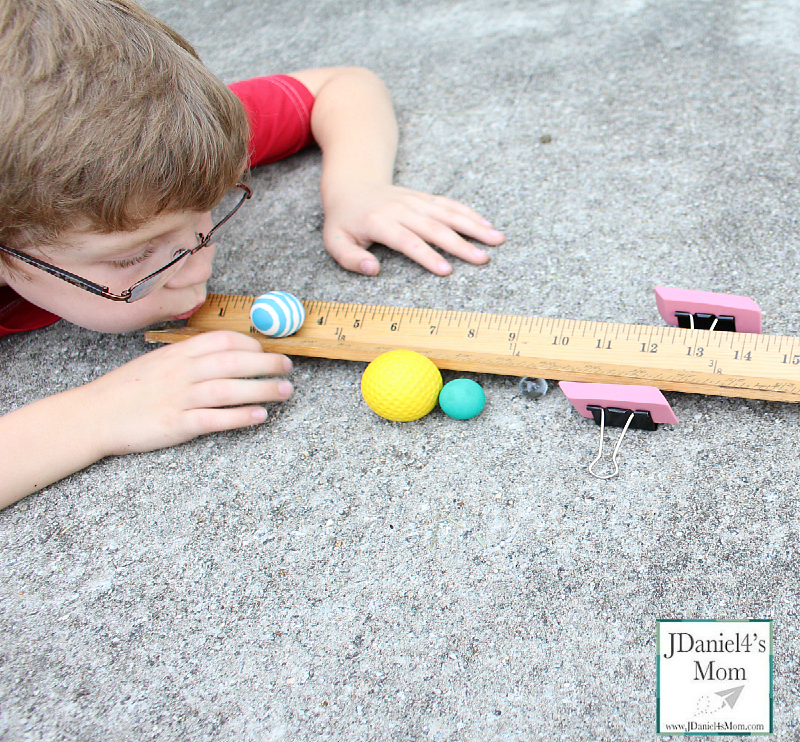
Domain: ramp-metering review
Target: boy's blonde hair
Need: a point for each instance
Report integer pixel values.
(107, 119)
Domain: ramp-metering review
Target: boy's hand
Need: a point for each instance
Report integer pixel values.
(175, 393)
(404, 220)
(165, 397)
(354, 124)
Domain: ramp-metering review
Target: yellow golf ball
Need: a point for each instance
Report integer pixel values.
(401, 385)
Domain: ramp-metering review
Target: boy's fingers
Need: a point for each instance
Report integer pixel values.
(466, 225)
(409, 243)
(456, 216)
(440, 223)
(461, 218)
(350, 255)
(434, 232)
(200, 422)
(234, 364)
(448, 203)
(415, 235)
(217, 341)
(235, 392)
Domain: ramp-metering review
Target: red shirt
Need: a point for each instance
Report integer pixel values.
(279, 111)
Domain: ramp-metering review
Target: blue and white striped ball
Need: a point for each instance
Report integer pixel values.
(277, 314)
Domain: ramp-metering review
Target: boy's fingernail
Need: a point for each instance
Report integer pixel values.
(486, 223)
(444, 268)
(369, 268)
(259, 415)
(495, 233)
(285, 388)
(287, 365)
(478, 253)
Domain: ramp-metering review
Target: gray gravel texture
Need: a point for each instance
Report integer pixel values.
(331, 575)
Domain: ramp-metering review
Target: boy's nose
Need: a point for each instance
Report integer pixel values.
(194, 270)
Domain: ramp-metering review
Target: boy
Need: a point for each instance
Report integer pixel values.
(116, 143)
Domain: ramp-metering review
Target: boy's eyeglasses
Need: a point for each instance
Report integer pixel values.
(148, 283)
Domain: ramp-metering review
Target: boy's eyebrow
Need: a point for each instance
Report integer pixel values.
(114, 245)
(104, 250)
(135, 247)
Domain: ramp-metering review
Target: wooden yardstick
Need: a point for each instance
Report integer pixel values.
(670, 358)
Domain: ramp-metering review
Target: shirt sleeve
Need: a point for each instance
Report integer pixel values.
(18, 314)
(279, 110)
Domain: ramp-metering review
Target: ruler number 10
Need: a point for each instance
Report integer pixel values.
(563, 340)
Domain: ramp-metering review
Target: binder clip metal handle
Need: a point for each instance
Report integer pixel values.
(616, 448)
(638, 407)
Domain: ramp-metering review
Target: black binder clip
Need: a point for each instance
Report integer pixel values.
(707, 310)
(620, 406)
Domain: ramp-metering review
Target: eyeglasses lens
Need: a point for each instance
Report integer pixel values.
(157, 280)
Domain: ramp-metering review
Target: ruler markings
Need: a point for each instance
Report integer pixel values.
(669, 357)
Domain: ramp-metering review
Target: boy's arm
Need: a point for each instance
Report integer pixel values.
(168, 396)
(44, 442)
(354, 124)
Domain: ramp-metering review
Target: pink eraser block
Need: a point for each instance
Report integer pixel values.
(619, 395)
(743, 309)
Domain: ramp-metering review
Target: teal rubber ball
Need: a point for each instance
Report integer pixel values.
(462, 399)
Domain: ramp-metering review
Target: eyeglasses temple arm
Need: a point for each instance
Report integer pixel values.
(82, 283)
(205, 239)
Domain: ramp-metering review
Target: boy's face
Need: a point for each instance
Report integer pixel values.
(118, 260)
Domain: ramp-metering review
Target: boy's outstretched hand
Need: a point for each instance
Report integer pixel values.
(354, 124)
(410, 222)
(215, 381)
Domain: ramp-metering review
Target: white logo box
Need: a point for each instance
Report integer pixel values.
(714, 677)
